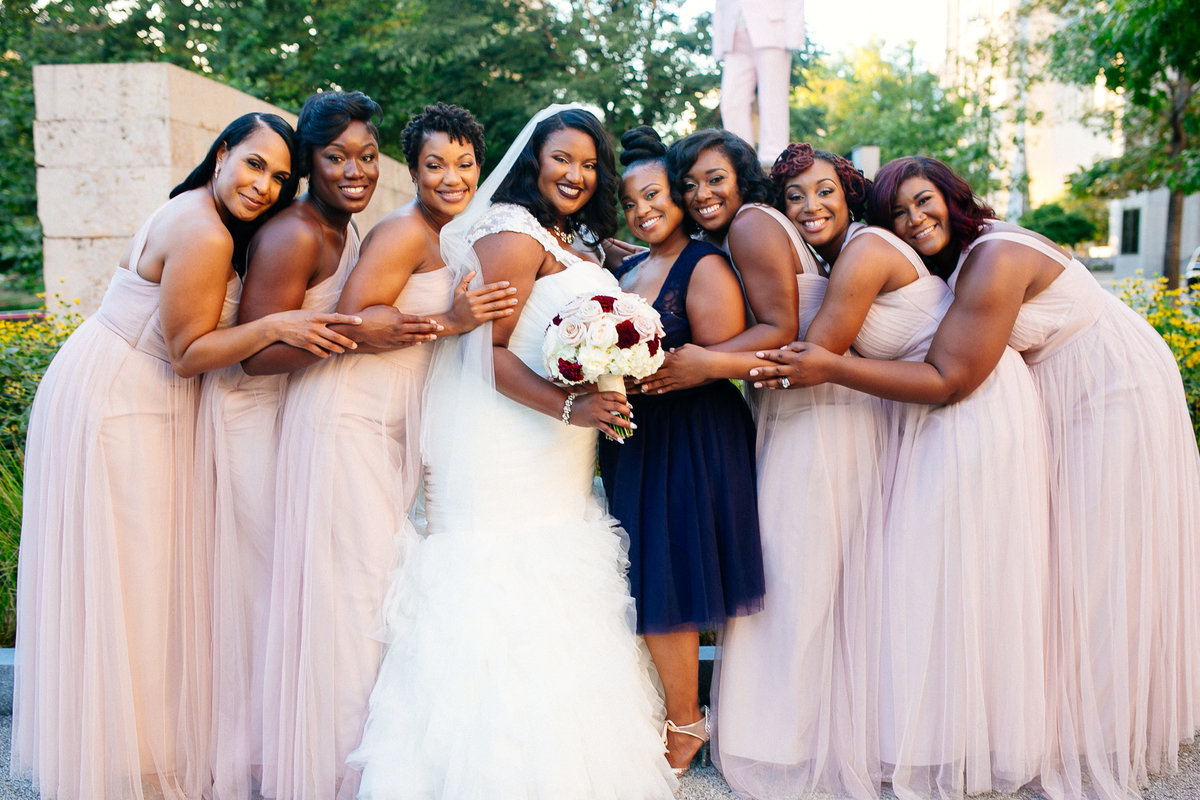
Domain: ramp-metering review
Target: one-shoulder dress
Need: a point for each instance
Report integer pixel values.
(1124, 688)
(796, 683)
(237, 441)
(349, 471)
(683, 488)
(513, 670)
(112, 662)
(965, 561)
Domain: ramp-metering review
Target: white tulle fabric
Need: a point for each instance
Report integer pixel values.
(965, 551)
(349, 471)
(237, 439)
(796, 686)
(112, 664)
(512, 669)
(1125, 504)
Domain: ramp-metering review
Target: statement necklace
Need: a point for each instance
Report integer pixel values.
(565, 238)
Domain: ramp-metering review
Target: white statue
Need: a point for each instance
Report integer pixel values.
(755, 38)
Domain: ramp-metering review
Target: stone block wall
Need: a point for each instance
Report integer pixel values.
(111, 141)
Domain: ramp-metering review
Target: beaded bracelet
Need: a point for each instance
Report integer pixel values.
(566, 415)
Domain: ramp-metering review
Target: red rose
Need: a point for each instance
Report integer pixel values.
(557, 320)
(570, 370)
(605, 302)
(653, 346)
(627, 335)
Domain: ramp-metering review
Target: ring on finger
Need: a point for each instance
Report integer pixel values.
(785, 383)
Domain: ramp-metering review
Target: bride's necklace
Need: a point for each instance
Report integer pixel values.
(565, 238)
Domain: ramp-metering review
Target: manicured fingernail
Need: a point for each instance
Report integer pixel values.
(759, 355)
(758, 385)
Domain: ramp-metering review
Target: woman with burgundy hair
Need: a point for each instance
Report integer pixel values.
(1125, 497)
(916, 696)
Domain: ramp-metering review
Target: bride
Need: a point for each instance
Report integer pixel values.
(512, 669)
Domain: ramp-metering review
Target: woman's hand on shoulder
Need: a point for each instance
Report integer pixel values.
(600, 410)
(473, 307)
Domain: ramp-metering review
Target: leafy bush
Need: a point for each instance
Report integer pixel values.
(1175, 314)
(26, 347)
(10, 539)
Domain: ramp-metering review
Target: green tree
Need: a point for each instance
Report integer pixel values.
(1059, 225)
(1147, 50)
(867, 98)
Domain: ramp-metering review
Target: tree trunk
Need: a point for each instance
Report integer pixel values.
(1181, 93)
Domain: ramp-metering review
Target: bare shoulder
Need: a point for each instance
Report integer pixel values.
(402, 234)
(292, 231)
(753, 223)
(189, 227)
(713, 266)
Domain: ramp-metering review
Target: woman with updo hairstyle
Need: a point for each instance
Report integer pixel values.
(112, 698)
(957, 633)
(1124, 675)
(349, 456)
(512, 668)
(683, 485)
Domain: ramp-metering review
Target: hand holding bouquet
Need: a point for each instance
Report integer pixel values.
(603, 338)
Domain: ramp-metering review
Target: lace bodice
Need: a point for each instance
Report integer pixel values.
(550, 292)
(512, 218)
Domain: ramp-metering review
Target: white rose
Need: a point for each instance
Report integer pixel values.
(571, 332)
(627, 306)
(590, 311)
(646, 322)
(602, 333)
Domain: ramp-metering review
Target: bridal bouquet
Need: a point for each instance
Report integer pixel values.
(604, 338)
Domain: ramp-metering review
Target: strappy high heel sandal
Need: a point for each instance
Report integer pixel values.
(697, 730)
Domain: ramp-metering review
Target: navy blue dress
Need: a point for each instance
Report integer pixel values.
(683, 486)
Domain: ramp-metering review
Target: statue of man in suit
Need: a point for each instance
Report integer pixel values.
(754, 38)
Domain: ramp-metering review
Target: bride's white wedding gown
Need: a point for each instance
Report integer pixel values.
(512, 670)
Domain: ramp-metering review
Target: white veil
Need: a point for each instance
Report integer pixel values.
(462, 462)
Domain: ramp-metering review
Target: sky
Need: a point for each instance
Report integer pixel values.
(841, 25)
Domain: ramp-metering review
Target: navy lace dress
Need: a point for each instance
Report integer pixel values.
(683, 486)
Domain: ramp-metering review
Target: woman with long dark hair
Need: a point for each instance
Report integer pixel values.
(512, 669)
(112, 695)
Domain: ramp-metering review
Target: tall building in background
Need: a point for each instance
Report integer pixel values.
(1042, 133)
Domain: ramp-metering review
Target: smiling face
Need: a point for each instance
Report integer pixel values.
(816, 203)
(650, 213)
(710, 190)
(567, 170)
(345, 171)
(920, 216)
(446, 175)
(250, 175)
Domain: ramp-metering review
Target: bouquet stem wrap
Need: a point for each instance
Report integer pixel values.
(615, 383)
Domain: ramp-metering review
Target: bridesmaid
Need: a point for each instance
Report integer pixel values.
(299, 259)
(1125, 497)
(350, 468)
(112, 675)
(965, 535)
(683, 486)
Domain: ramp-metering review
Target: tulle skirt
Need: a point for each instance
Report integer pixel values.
(349, 468)
(966, 547)
(112, 667)
(796, 684)
(1125, 503)
(236, 446)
